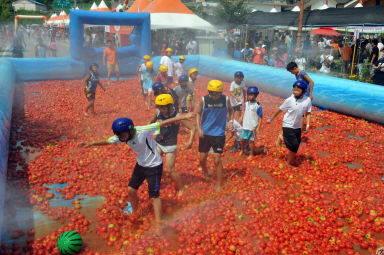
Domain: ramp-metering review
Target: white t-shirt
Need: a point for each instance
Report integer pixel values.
(252, 113)
(180, 69)
(238, 90)
(300, 63)
(144, 145)
(236, 129)
(141, 67)
(324, 68)
(295, 110)
(167, 61)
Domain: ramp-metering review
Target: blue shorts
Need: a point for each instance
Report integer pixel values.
(247, 135)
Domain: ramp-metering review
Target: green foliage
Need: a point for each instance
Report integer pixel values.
(231, 13)
(5, 10)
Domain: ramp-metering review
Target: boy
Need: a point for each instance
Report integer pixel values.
(91, 81)
(169, 63)
(162, 76)
(193, 72)
(148, 75)
(113, 60)
(158, 89)
(211, 116)
(296, 106)
(237, 94)
(183, 92)
(146, 58)
(235, 129)
(149, 164)
(303, 77)
(167, 139)
(251, 118)
(180, 67)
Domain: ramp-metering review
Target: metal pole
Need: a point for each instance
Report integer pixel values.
(245, 43)
(300, 27)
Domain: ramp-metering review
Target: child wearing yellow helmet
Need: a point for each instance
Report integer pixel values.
(148, 75)
(212, 111)
(162, 76)
(180, 67)
(167, 139)
(192, 75)
(146, 58)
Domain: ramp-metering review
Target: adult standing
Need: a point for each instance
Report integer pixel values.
(375, 53)
(259, 54)
(170, 63)
(111, 60)
(326, 60)
(378, 77)
(191, 47)
(231, 43)
(345, 54)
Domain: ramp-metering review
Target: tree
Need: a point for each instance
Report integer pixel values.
(231, 13)
(5, 10)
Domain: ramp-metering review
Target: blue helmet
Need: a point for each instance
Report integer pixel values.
(122, 125)
(157, 86)
(239, 74)
(253, 90)
(183, 78)
(300, 84)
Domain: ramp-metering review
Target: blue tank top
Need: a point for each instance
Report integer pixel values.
(300, 77)
(92, 82)
(168, 134)
(214, 115)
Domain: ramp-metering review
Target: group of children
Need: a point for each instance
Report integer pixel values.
(214, 114)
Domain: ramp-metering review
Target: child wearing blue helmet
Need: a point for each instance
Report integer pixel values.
(149, 164)
(183, 92)
(237, 91)
(297, 106)
(251, 119)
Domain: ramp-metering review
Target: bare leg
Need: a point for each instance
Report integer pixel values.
(242, 147)
(291, 158)
(149, 100)
(132, 197)
(156, 202)
(219, 170)
(203, 162)
(252, 148)
(89, 106)
(109, 76)
(117, 75)
(170, 159)
(280, 140)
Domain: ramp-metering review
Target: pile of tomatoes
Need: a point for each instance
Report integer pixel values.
(331, 203)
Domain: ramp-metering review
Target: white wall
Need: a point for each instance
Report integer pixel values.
(263, 7)
(26, 5)
(317, 4)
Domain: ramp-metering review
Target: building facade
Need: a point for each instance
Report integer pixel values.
(29, 5)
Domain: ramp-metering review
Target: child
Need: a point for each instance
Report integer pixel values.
(148, 75)
(235, 130)
(167, 139)
(91, 81)
(40, 49)
(183, 92)
(211, 119)
(162, 76)
(112, 63)
(193, 72)
(180, 67)
(296, 106)
(149, 164)
(237, 94)
(158, 89)
(303, 77)
(146, 58)
(52, 47)
(251, 118)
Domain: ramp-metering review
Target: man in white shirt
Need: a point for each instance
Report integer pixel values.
(326, 60)
(191, 47)
(297, 106)
(149, 164)
(168, 61)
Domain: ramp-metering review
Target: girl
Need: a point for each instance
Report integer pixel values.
(162, 76)
(148, 75)
(91, 81)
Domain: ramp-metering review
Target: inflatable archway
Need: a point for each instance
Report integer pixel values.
(17, 17)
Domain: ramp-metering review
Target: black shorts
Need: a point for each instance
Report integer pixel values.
(151, 174)
(237, 108)
(184, 109)
(216, 142)
(292, 138)
(89, 95)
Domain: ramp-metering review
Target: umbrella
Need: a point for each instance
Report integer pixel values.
(325, 31)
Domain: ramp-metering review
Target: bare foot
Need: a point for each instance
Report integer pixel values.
(250, 156)
(180, 192)
(86, 114)
(241, 153)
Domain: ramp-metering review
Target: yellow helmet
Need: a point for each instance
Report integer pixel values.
(163, 68)
(164, 99)
(147, 57)
(149, 64)
(182, 58)
(215, 85)
(168, 49)
(192, 70)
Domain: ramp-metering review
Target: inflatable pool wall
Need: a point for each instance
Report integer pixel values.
(345, 96)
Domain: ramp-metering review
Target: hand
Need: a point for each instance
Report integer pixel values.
(269, 121)
(231, 126)
(311, 97)
(189, 115)
(187, 147)
(201, 133)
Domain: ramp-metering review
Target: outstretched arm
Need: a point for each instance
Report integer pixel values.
(176, 119)
(99, 143)
(199, 110)
(192, 130)
(278, 111)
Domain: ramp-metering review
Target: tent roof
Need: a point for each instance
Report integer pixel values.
(179, 20)
(93, 7)
(102, 7)
(167, 6)
(139, 6)
(332, 17)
